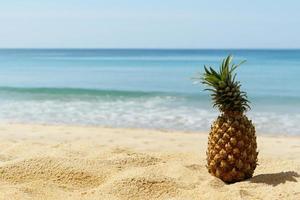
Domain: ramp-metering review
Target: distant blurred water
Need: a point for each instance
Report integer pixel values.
(144, 88)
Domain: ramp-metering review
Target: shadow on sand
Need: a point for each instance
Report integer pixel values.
(276, 178)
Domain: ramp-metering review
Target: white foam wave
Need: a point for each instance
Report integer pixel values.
(155, 112)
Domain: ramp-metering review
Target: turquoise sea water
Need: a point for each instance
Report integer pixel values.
(144, 88)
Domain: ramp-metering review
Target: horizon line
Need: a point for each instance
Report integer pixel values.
(133, 48)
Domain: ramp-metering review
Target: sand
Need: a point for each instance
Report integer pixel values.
(77, 162)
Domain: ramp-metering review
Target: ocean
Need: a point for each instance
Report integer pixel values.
(144, 88)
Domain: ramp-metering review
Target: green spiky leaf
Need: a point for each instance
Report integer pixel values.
(226, 94)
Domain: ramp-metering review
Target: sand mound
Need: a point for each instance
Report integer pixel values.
(152, 187)
(58, 170)
(80, 173)
(133, 159)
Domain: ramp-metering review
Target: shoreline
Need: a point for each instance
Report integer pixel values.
(172, 131)
(88, 162)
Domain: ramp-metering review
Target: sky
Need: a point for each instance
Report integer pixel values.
(150, 24)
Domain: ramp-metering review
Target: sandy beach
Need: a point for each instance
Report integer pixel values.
(80, 162)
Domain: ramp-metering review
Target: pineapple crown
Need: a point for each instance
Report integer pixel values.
(226, 94)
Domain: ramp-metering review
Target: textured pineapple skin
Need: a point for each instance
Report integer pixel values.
(232, 149)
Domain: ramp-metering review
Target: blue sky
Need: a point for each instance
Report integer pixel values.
(150, 24)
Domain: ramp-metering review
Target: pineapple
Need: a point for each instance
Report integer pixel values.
(232, 149)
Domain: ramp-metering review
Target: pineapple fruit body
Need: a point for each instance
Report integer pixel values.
(232, 149)
(231, 154)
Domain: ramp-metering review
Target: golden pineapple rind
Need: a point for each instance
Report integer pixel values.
(232, 149)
